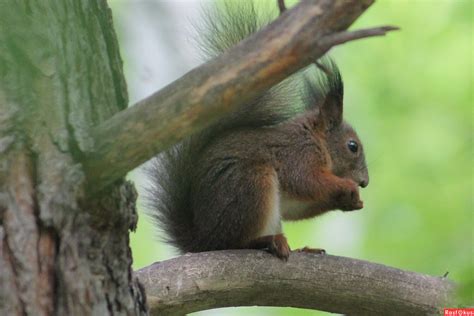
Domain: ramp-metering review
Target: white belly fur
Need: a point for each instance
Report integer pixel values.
(273, 224)
(282, 207)
(292, 209)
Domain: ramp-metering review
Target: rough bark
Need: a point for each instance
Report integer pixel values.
(297, 38)
(201, 281)
(61, 252)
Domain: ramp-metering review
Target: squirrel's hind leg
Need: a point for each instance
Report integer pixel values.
(277, 245)
(270, 236)
(240, 210)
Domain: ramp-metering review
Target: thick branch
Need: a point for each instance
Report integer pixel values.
(198, 98)
(201, 281)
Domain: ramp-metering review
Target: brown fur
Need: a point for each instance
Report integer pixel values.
(235, 175)
(229, 186)
(225, 187)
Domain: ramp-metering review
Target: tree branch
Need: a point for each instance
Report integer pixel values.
(204, 94)
(343, 37)
(281, 6)
(201, 281)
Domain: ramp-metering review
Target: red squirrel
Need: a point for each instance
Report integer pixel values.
(287, 155)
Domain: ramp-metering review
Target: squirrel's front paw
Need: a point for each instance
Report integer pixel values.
(350, 199)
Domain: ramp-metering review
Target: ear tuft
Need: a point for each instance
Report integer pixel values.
(323, 89)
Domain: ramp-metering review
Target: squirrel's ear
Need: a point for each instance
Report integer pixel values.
(331, 108)
(324, 90)
(331, 111)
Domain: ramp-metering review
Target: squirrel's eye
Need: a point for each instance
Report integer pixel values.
(353, 146)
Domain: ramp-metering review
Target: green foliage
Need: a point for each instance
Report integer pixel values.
(409, 95)
(417, 125)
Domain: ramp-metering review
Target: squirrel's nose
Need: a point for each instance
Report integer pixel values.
(364, 183)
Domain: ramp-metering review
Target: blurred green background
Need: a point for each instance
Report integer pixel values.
(409, 95)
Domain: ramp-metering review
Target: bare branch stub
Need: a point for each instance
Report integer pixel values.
(281, 6)
(347, 36)
(208, 280)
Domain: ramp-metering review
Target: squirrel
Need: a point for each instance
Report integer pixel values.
(286, 155)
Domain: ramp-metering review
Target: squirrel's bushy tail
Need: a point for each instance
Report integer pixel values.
(228, 23)
(168, 193)
(170, 173)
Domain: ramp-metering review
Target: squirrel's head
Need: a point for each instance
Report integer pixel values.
(347, 154)
(345, 147)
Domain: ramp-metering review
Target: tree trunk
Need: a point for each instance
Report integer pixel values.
(62, 251)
